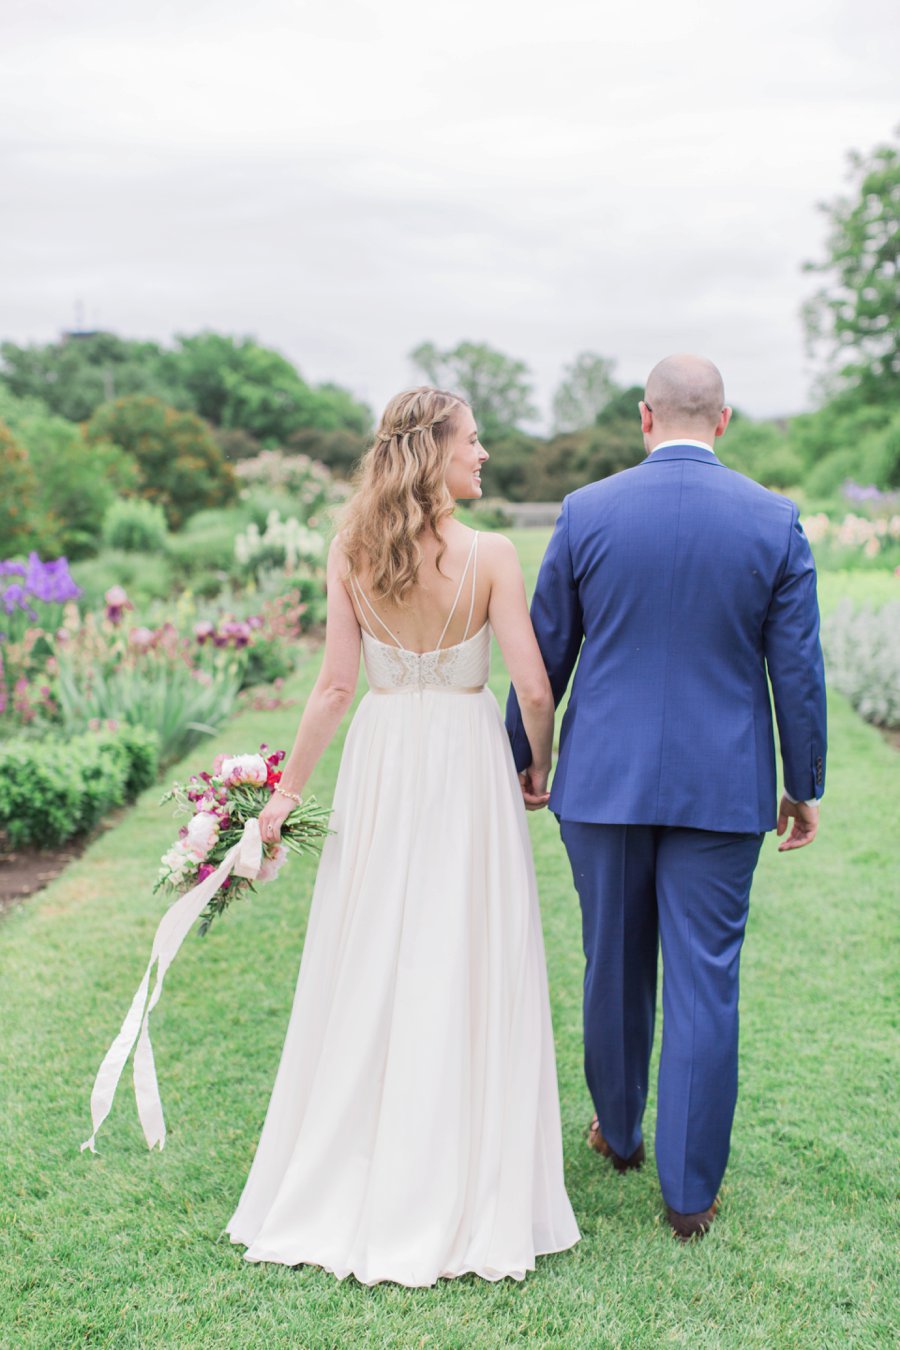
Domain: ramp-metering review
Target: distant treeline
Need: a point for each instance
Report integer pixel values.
(95, 416)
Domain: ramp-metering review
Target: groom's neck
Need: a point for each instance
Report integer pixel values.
(679, 432)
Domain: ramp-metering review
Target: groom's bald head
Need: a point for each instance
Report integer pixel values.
(684, 396)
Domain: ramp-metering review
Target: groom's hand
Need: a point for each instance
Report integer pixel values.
(806, 823)
(534, 787)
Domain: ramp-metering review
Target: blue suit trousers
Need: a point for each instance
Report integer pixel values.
(688, 891)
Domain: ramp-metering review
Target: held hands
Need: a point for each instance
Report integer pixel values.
(806, 823)
(533, 782)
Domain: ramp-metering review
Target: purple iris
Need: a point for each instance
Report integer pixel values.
(16, 597)
(50, 582)
(859, 492)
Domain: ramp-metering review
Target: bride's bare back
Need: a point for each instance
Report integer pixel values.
(449, 602)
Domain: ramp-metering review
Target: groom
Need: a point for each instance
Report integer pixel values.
(675, 586)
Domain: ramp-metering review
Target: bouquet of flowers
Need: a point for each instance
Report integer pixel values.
(219, 805)
(217, 856)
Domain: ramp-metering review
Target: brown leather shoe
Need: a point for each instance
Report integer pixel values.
(687, 1226)
(599, 1145)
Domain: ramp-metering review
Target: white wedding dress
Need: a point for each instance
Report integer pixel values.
(413, 1131)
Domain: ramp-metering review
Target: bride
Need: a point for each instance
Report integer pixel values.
(413, 1131)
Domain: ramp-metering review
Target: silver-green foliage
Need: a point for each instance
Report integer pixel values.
(136, 525)
(179, 703)
(862, 659)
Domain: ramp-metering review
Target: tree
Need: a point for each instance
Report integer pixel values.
(179, 464)
(506, 474)
(337, 410)
(568, 461)
(846, 439)
(858, 312)
(586, 388)
(76, 482)
(497, 387)
(76, 375)
(239, 384)
(232, 383)
(341, 451)
(761, 450)
(19, 528)
(14, 410)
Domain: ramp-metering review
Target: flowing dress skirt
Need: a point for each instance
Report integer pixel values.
(413, 1131)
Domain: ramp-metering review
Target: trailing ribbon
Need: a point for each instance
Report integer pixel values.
(244, 859)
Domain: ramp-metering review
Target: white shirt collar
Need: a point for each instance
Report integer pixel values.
(701, 445)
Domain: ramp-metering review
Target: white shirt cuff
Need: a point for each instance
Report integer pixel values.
(813, 801)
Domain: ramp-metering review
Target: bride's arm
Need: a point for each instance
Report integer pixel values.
(510, 620)
(330, 699)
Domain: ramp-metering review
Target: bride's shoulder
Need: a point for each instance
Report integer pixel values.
(490, 541)
(337, 561)
(496, 550)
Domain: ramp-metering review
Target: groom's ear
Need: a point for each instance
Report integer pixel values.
(647, 418)
(724, 419)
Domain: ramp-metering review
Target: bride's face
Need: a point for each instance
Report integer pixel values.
(466, 457)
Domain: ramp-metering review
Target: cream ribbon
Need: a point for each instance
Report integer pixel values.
(244, 859)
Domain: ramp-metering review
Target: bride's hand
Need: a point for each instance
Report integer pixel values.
(534, 787)
(273, 816)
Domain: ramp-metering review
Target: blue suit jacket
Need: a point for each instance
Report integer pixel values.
(674, 586)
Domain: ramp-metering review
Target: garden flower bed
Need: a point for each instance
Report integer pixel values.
(92, 667)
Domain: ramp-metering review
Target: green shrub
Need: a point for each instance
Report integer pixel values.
(145, 576)
(268, 659)
(761, 451)
(50, 791)
(875, 460)
(258, 502)
(881, 465)
(136, 526)
(206, 546)
(486, 514)
(142, 748)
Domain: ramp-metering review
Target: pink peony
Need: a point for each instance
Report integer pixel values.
(202, 833)
(244, 769)
(273, 864)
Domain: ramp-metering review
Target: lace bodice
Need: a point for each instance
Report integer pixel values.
(463, 667)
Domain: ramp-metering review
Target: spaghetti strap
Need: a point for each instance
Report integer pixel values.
(458, 594)
(474, 580)
(362, 613)
(361, 598)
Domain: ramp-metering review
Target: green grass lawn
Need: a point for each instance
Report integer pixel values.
(125, 1250)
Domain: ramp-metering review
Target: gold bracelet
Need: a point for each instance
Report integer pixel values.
(294, 796)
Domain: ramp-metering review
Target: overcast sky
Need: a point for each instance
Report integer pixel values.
(344, 179)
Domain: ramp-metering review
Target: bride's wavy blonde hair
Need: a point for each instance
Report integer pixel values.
(400, 490)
